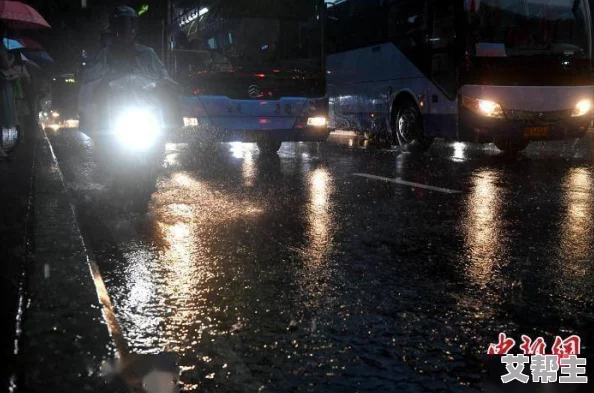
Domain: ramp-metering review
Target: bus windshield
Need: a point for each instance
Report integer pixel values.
(500, 28)
(276, 33)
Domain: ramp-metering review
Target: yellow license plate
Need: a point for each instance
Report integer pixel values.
(536, 131)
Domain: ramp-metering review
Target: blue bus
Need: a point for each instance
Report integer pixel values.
(502, 71)
(253, 71)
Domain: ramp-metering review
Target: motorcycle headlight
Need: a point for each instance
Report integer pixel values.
(483, 107)
(137, 129)
(582, 108)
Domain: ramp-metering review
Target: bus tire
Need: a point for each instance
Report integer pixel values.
(408, 127)
(511, 146)
(268, 146)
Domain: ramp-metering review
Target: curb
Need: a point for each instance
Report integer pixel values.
(64, 337)
(16, 228)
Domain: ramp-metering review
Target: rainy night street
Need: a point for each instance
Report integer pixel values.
(340, 267)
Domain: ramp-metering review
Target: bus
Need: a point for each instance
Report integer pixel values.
(253, 71)
(506, 72)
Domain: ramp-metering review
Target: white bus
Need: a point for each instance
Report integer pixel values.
(253, 71)
(502, 71)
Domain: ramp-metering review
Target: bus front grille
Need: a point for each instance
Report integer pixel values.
(538, 117)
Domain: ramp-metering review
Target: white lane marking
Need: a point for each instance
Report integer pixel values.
(113, 326)
(408, 183)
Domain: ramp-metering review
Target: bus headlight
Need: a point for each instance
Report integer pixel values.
(137, 129)
(71, 123)
(318, 121)
(483, 107)
(190, 121)
(582, 108)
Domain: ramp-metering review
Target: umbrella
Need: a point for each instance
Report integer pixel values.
(30, 43)
(26, 60)
(12, 44)
(17, 15)
(40, 57)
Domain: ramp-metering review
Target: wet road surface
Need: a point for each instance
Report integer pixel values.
(337, 267)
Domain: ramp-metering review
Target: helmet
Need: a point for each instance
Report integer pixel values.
(123, 23)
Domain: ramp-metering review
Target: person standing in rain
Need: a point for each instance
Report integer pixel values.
(22, 91)
(8, 110)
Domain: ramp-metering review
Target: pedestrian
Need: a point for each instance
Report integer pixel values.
(22, 91)
(8, 111)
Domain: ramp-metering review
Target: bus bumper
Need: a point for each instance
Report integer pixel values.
(222, 119)
(475, 128)
(305, 134)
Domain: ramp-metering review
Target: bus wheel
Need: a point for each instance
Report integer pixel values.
(409, 130)
(511, 146)
(268, 146)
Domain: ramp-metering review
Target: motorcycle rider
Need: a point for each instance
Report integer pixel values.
(120, 55)
(123, 54)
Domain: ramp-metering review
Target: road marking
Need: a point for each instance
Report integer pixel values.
(408, 183)
(113, 326)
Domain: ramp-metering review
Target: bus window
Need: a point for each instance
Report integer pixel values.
(334, 29)
(406, 27)
(404, 15)
(531, 27)
(443, 61)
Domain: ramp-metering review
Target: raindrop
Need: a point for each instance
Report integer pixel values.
(292, 325)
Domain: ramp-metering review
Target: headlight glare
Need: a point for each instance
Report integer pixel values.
(71, 123)
(137, 129)
(190, 121)
(318, 121)
(485, 108)
(582, 108)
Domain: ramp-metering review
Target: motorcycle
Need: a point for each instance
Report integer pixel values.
(128, 125)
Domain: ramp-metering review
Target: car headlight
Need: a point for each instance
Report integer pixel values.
(483, 107)
(137, 129)
(582, 108)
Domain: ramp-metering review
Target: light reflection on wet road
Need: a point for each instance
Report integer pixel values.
(291, 274)
(483, 227)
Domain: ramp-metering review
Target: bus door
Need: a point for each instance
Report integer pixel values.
(444, 71)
